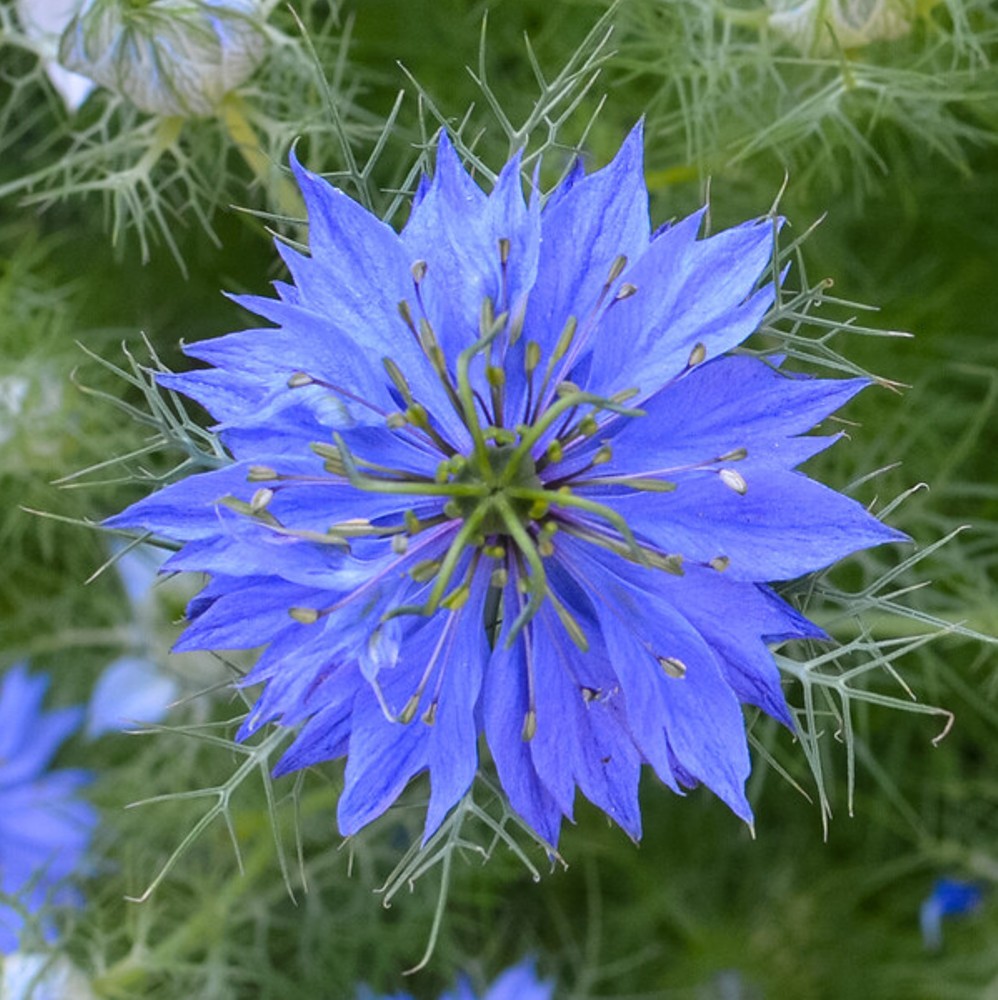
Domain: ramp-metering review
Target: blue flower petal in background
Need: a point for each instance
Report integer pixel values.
(950, 897)
(45, 827)
(130, 691)
(497, 475)
(517, 983)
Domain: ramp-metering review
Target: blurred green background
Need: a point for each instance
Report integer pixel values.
(890, 141)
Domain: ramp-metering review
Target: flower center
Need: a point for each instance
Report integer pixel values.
(507, 470)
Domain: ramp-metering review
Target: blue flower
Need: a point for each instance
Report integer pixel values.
(517, 983)
(950, 897)
(44, 828)
(499, 473)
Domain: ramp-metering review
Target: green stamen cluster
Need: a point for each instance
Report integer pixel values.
(504, 494)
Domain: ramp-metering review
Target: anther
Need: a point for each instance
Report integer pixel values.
(496, 376)
(616, 269)
(672, 666)
(503, 250)
(409, 712)
(625, 291)
(260, 499)
(565, 338)
(734, 481)
(300, 379)
(305, 616)
(555, 452)
(529, 726)
(261, 474)
(735, 455)
(417, 416)
(418, 269)
(424, 570)
(566, 388)
(457, 598)
(398, 379)
(499, 578)
(531, 356)
(538, 509)
(400, 544)
(719, 563)
(603, 455)
(697, 356)
(588, 425)
(430, 715)
(589, 694)
(406, 313)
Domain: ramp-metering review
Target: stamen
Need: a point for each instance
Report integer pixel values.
(734, 481)
(260, 499)
(697, 356)
(564, 498)
(261, 474)
(616, 269)
(672, 666)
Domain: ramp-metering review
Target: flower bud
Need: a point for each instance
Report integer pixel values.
(811, 25)
(43, 22)
(168, 57)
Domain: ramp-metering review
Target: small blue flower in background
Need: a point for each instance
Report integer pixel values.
(517, 983)
(44, 828)
(950, 897)
(498, 473)
(129, 692)
(134, 689)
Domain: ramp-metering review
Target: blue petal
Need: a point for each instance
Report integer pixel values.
(453, 743)
(586, 225)
(784, 526)
(520, 983)
(580, 742)
(383, 757)
(700, 714)
(504, 708)
(688, 292)
(29, 737)
(456, 229)
(727, 404)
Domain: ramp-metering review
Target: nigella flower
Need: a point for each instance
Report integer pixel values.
(44, 828)
(517, 983)
(498, 474)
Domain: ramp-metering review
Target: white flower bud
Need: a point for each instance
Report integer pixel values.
(810, 25)
(25, 976)
(43, 22)
(168, 57)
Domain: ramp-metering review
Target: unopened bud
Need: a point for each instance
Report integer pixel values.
(168, 57)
